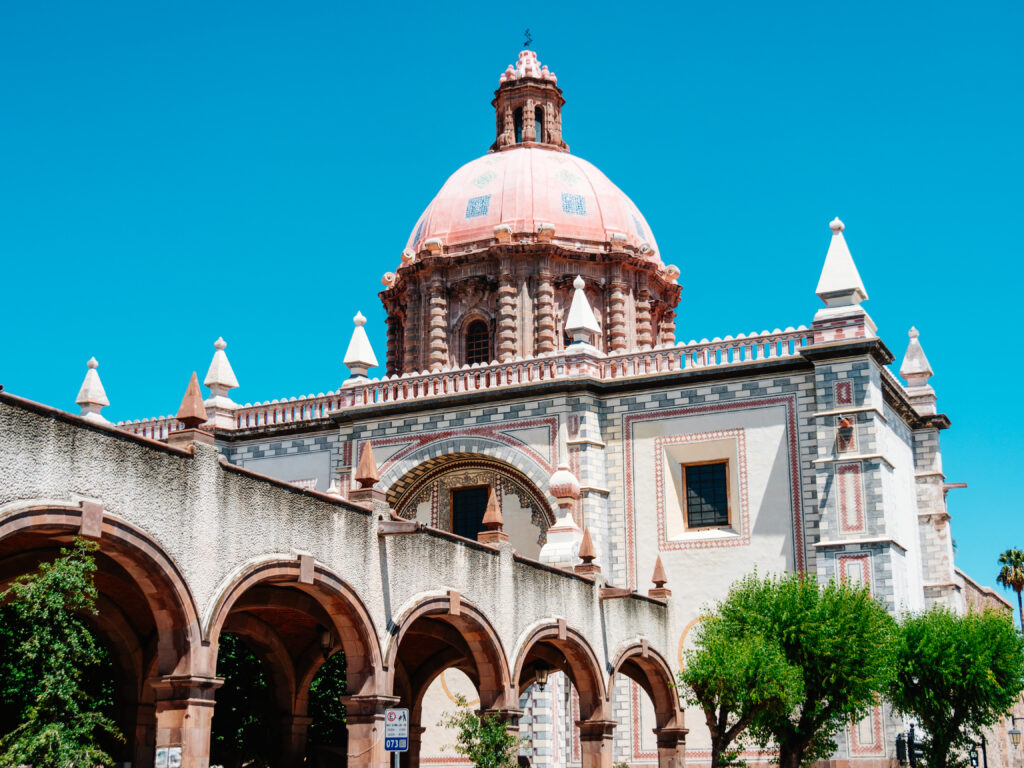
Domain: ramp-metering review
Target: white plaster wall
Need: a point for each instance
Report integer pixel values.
(899, 505)
(299, 466)
(437, 740)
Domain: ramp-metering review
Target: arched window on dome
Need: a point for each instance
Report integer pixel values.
(538, 124)
(478, 343)
(517, 120)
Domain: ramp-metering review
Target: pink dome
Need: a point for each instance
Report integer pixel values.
(525, 187)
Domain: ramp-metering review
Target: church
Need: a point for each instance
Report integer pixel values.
(527, 498)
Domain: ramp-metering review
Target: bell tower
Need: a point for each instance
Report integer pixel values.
(528, 106)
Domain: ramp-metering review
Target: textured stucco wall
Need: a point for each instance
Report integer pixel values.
(214, 522)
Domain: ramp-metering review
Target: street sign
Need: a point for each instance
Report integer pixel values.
(396, 730)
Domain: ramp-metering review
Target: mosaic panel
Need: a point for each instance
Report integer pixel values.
(640, 228)
(478, 206)
(574, 204)
(485, 178)
(568, 177)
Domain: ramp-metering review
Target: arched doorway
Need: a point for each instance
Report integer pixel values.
(300, 626)
(437, 634)
(575, 694)
(146, 620)
(643, 678)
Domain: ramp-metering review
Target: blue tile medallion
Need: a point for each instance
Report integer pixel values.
(478, 206)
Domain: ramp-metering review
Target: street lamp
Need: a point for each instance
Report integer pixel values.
(542, 677)
(1014, 732)
(326, 641)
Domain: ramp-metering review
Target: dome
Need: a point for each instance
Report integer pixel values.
(525, 187)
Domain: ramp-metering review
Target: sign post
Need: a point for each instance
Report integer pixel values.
(396, 731)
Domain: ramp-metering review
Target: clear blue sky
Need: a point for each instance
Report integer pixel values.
(171, 172)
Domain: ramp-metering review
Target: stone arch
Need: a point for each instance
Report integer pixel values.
(334, 600)
(147, 617)
(405, 475)
(462, 636)
(649, 669)
(152, 570)
(460, 334)
(552, 643)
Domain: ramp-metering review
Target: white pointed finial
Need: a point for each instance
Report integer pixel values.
(359, 356)
(917, 371)
(92, 397)
(220, 378)
(840, 284)
(581, 323)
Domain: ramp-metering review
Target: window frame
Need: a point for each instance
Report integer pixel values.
(488, 336)
(729, 515)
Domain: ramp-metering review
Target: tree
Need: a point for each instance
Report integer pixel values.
(242, 732)
(482, 739)
(734, 677)
(62, 723)
(838, 637)
(956, 675)
(1011, 576)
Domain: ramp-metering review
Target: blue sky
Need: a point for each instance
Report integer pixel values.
(171, 172)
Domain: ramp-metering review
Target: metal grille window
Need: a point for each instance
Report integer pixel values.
(478, 343)
(707, 494)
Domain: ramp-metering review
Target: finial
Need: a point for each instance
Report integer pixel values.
(192, 413)
(529, 38)
(916, 370)
(359, 356)
(581, 323)
(91, 396)
(493, 521)
(563, 483)
(367, 473)
(220, 377)
(913, 332)
(587, 553)
(659, 579)
(840, 284)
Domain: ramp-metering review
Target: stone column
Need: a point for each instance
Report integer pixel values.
(411, 360)
(415, 743)
(596, 743)
(294, 730)
(396, 345)
(506, 314)
(184, 711)
(365, 719)
(671, 747)
(545, 315)
(644, 332)
(438, 326)
(667, 328)
(529, 131)
(145, 735)
(617, 316)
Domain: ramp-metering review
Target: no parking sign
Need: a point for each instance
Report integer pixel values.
(396, 730)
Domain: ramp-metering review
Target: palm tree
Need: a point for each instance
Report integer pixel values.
(1011, 576)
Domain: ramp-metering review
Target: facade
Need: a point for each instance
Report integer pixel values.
(542, 480)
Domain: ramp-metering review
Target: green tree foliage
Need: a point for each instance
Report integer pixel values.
(735, 675)
(325, 707)
(1011, 576)
(839, 638)
(483, 740)
(956, 675)
(243, 730)
(49, 654)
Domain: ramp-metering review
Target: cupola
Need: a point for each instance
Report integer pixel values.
(528, 106)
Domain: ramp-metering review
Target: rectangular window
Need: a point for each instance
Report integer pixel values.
(468, 507)
(706, 494)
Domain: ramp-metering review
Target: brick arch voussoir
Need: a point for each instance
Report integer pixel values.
(487, 652)
(349, 617)
(167, 593)
(650, 670)
(404, 480)
(585, 667)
